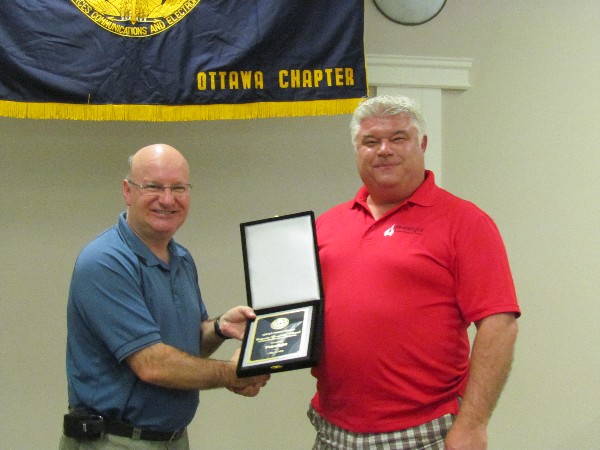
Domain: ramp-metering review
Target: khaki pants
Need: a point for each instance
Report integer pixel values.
(112, 442)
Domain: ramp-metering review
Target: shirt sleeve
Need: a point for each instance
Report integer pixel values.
(107, 294)
(484, 281)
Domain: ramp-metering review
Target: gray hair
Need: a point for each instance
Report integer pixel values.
(129, 166)
(387, 105)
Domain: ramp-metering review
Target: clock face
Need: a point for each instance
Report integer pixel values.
(410, 12)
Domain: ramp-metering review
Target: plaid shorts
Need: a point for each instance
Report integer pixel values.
(429, 436)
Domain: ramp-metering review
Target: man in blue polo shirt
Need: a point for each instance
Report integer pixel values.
(139, 337)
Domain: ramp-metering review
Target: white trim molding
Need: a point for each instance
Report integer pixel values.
(423, 72)
(423, 79)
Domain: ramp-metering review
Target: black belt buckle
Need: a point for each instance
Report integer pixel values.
(83, 425)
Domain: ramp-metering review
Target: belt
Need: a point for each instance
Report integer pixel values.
(126, 430)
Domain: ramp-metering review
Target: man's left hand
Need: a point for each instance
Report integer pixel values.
(466, 438)
(233, 322)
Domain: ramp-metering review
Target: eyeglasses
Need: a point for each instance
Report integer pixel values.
(157, 189)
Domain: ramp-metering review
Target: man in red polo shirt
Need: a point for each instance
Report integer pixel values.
(407, 267)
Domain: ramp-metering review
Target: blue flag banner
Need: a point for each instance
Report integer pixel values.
(177, 60)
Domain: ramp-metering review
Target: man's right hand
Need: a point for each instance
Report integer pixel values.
(250, 386)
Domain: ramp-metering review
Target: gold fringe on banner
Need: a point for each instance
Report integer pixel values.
(162, 113)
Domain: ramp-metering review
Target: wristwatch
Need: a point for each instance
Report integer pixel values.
(218, 331)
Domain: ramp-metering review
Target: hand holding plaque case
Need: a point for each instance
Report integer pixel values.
(284, 287)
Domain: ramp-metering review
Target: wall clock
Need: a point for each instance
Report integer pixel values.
(410, 12)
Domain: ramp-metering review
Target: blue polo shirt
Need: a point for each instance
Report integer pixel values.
(122, 299)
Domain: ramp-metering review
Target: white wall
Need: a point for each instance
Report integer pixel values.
(520, 143)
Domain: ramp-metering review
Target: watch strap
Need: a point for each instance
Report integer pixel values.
(218, 331)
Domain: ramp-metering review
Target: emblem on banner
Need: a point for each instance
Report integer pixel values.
(135, 18)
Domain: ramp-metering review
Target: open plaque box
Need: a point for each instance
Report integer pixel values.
(284, 287)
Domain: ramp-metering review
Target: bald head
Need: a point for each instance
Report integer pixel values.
(154, 214)
(155, 155)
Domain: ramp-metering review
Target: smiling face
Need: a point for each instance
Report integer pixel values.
(156, 217)
(389, 157)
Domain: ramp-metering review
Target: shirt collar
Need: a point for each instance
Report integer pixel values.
(423, 195)
(140, 249)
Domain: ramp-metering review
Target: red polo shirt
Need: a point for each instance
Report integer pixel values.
(399, 294)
